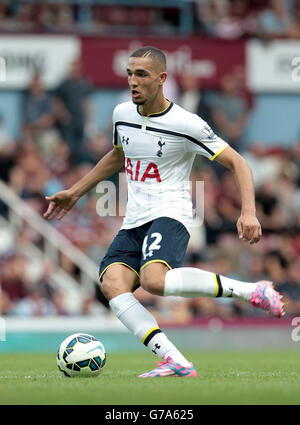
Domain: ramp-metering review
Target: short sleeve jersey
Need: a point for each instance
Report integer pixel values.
(159, 153)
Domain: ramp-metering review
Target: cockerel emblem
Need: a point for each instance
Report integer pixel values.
(160, 144)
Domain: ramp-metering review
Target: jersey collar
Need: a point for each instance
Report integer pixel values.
(157, 114)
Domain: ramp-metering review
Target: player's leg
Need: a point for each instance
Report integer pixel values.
(117, 283)
(192, 282)
(119, 277)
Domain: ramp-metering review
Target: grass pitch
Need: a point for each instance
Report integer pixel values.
(264, 377)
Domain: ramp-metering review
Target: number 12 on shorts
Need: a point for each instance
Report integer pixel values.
(155, 245)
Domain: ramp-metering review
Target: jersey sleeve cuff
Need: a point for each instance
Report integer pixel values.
(218, 153)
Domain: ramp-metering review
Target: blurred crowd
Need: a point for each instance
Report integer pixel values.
(233, 19)
(229, 19)
(59, 143)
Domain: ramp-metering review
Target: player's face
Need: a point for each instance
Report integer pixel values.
(144, 80)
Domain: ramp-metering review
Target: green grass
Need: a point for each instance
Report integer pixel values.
(265, 377)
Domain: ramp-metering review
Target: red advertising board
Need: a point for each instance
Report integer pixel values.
(105, 59)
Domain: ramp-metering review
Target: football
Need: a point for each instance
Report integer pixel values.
(81, 355)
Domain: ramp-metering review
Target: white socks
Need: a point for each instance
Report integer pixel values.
(139, 321)
(192, 282)
(184, 282)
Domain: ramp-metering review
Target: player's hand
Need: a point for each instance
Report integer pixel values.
(249, 228)
(60, 204)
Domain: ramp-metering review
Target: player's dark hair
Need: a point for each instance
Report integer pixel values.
(154, 53)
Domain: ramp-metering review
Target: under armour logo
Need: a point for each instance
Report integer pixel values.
(157, 347)
(125, 140)
(231, 292)
(160, 144)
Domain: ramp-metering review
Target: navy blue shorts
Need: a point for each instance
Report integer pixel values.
(161, 240)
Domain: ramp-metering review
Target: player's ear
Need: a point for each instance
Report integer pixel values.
(162, 77)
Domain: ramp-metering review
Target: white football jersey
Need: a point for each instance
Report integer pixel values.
(159, 153)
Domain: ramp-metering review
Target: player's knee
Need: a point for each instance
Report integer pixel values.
(151, 286)
(116, 281)
(110, 286)
(106, 288)
(152, 282)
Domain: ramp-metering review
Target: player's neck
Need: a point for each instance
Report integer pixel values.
(155, 107)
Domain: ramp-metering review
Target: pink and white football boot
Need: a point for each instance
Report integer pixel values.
(265, 297)
(170, 368)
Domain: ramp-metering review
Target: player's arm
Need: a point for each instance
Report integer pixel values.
(248, 226)
(63, 201)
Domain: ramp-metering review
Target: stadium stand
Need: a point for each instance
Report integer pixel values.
(37, 158)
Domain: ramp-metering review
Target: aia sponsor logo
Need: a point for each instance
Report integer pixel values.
(134, 173)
